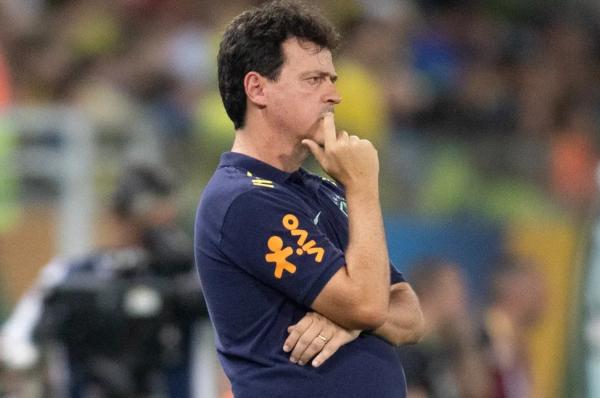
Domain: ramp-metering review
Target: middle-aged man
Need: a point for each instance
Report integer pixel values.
(295, 267)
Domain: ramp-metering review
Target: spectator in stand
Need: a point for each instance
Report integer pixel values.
(518, 302)
(450, 361)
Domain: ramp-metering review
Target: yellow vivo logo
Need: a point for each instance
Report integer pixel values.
(279, 254)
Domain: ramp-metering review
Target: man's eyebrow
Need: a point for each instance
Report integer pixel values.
(333, 76)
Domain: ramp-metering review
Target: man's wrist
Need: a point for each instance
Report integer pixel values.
(363, 192)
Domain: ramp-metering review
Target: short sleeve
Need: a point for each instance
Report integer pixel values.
(271, 235)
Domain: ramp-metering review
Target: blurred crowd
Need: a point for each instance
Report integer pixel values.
(472, 352)
(486, 107)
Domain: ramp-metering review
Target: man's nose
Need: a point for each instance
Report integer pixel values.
(332, 96)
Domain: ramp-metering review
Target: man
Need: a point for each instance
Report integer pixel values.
(107, 307)
(295, 267)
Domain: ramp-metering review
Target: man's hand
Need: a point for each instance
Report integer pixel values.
(347, 158)
(316, 335)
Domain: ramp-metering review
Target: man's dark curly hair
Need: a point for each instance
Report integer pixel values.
(252, 42)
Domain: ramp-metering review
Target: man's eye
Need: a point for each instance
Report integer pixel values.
(314, 80)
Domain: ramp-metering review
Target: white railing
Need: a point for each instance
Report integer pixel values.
(56, 144)
(59, 145)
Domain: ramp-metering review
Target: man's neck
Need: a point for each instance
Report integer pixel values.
(273, 149)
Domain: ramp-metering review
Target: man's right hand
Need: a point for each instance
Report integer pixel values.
(357, 296)
(350, 160)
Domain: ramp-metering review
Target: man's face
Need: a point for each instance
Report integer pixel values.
(303, 92)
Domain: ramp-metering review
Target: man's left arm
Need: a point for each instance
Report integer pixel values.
(405, 323)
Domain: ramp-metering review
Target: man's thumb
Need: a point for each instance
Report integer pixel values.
(314, 148)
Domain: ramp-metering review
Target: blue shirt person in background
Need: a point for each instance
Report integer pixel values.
(295, 267)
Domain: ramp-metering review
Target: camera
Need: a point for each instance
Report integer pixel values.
(125, 316)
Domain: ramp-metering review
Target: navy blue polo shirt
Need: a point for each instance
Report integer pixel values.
(266, 243)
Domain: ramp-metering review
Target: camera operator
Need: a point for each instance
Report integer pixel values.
(123, 314)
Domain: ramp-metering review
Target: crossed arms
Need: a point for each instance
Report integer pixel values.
(403, 325)
(358, 297)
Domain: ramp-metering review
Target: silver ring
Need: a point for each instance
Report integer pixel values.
(322, 337)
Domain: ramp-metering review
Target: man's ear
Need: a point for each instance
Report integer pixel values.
(254, 84)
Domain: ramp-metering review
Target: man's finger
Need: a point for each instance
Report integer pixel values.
(317, 344)
(303, 343)
(301, 335)
(328, 350)
(328, 127)
(343, 136)
(296, 331)
(314, 148)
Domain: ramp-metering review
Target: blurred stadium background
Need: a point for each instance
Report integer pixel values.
(486, 114)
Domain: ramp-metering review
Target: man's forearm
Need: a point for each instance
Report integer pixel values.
(404, 323)
(366, 255)
(356, 297)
